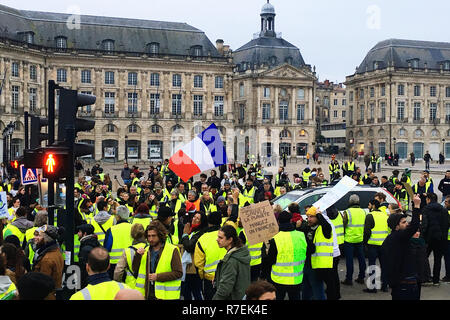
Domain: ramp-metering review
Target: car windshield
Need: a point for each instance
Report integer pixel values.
(287, 199)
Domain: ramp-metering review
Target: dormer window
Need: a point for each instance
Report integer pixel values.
(197, 51)
(273, 60)
(375, 65)
(61, 42)
(28, 37)
(414, 63)
(153, 48)
(108, 45)
(447, 65)
(289, 60)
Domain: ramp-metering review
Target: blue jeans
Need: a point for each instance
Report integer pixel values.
(373, 253)
(348, 251)
(312, 287)
(447, 260)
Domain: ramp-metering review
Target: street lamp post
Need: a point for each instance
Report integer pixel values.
(443, 148)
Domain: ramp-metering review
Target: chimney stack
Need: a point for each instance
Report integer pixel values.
(219, 46)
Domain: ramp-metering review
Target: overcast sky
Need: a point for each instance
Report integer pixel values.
(332, 35)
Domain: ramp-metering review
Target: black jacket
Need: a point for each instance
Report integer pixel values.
(398, 252)
(444, 187)
(435, 222)
(86, 245)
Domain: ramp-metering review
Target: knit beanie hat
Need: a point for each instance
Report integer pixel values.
(164, 212)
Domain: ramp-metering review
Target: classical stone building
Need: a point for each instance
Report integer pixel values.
(157, 83)
(399, 99)
(331, 113)
(273, 95)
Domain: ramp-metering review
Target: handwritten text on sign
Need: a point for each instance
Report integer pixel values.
(259, 222)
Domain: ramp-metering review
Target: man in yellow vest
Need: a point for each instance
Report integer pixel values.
(322, 258)
(207, 254)
(249, 191)
(118, 237)
(102, 221)
(100, 286)
(19, 226)
(286, 259)
(159, 266)
(375, 232)
(354, 218)
(348, 168)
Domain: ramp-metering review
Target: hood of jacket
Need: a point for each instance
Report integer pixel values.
(5, 283)
(102, 217)
(23, 224)
(90, 239)
(240, 254)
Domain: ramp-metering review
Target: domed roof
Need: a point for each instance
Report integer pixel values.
(399, 52)
(268, 8)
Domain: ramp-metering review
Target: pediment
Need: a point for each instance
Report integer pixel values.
(287, 71)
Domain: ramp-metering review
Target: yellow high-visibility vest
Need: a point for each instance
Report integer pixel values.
(122, 239)
(291, 248)
(339, 228)
(102, 291)
(170, 290)
(380, 231)
(354, 232)
(213, 253)
(130, 252)
(323, 257)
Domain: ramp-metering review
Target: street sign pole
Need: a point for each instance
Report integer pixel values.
(70, 186)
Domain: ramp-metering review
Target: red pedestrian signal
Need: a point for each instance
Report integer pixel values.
(14, 164)
(50, 163)
(54, 164)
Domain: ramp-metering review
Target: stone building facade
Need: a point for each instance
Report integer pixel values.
(399, 100)
(158, 84)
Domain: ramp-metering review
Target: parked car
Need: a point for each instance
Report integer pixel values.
(309, 196)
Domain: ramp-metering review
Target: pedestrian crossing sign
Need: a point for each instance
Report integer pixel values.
(28, 176)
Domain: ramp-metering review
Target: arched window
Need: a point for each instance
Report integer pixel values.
(285, 134)
(132, 128)
(61, 42)
(153, 48)
(418, 133)
(108, 45)
(156, 129)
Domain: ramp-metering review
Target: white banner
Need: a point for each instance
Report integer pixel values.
(3, 206)
(334, 194)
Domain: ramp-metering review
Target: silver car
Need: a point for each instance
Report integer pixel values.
(309, 196)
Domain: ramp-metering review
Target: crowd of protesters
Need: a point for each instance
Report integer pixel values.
(157, 237)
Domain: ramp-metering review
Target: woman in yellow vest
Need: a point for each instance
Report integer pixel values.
(159, 266)
(7, 287)
(123, 271)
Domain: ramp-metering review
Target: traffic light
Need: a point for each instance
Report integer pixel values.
(54, 162)
(14, 164)
(69, 102)
(36, 136)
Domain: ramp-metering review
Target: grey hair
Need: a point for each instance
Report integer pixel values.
(41, 218)
(354, 200)
(123, 212)
(193, 193)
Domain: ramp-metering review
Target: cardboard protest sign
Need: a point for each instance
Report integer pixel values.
(259, 222)
(409, 190)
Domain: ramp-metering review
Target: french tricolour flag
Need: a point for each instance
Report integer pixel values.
(206, 151)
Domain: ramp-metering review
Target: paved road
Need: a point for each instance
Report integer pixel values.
(355, 292)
